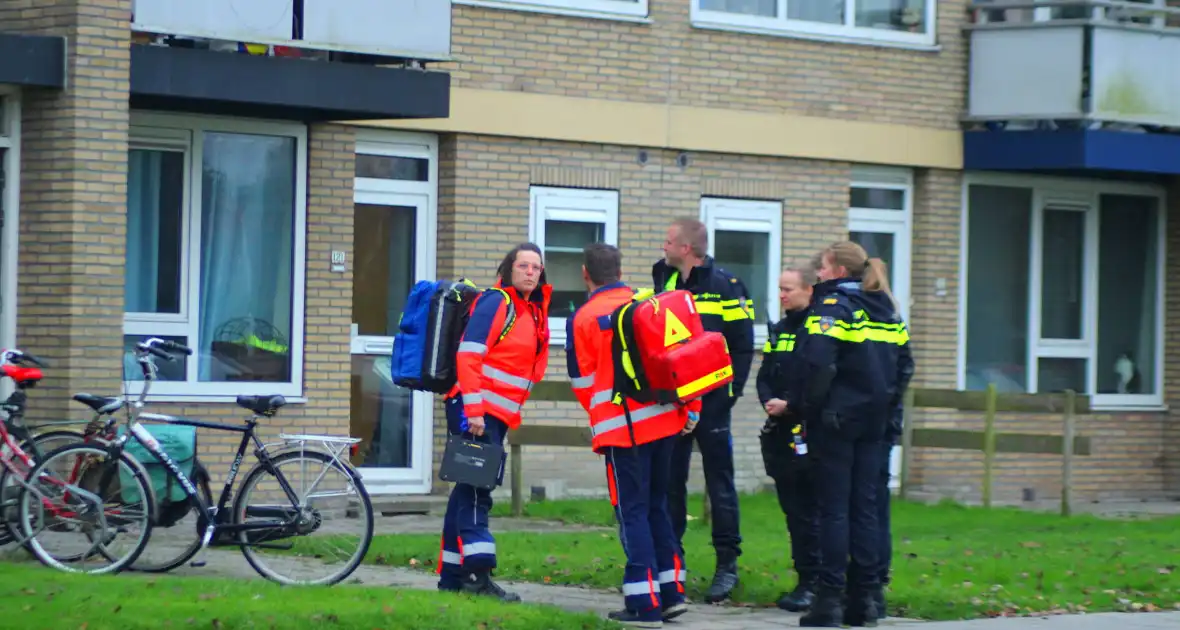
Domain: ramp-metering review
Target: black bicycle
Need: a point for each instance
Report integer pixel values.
(268, 513)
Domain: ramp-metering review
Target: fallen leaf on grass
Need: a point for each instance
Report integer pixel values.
(387, 609)
(1031, 545)
(414, 562)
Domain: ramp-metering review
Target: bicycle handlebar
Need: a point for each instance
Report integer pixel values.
(155, 347)
(19, 357)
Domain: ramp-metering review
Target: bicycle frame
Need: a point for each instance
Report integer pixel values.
(218, 523)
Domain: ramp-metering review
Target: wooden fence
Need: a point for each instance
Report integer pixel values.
(988, 441)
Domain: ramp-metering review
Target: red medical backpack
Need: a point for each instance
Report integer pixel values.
(661, 352)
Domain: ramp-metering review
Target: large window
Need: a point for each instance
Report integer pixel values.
(215, 253)
(746, 239)
(887, 21)
(634, 9)
(1063, 289)
(562, 222)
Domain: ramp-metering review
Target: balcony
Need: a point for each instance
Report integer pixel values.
(417, 30)
(1082, 65)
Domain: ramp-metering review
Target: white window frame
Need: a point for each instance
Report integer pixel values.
(617, 10)
(183, 132)
(759, 217)
(899, 223)
(1056, 192)
(803, 29)
(10, 233)
(579, 205)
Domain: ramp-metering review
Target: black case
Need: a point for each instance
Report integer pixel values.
(478, 464)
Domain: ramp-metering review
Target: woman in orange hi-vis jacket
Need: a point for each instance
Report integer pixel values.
(500, 358)
(638, 457)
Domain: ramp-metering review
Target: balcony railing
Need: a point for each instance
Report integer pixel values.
(408, 29)
(1090, 62)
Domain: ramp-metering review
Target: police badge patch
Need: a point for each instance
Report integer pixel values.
(825, 323)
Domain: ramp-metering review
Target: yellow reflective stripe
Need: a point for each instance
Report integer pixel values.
(670, 285)
(705, 307)
(861, 332)
(734, 314)
(705, 381)
(766, 347)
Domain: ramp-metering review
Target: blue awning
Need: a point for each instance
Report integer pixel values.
(1072, 150)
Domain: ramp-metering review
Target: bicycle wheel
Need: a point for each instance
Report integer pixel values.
(176, 536)
(9, 489)
(100, 510)
(338, 504)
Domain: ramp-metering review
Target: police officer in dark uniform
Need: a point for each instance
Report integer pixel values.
(725, 307)
(857, 348)
(784, 441)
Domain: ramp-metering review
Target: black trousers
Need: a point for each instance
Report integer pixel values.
(884, 524)
(715, 441)
(847, 467)
(796, 497)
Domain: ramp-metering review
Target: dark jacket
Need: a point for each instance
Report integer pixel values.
(783, 372)
(858, 354)
(725, 307)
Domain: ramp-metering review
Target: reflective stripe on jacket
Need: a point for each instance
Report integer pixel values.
(496, 377)
(592, 376)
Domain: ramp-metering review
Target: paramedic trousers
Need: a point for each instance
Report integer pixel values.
(467, 544)
(884, 521)
(637, 479)
(713, 438)
(847, 469)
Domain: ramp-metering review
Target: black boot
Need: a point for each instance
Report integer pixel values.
(482, 584)
(862, 609)
(800, 599)
(826, 611)
(725, 579)
(649, 619)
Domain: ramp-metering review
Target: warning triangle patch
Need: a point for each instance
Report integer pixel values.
(674, 330)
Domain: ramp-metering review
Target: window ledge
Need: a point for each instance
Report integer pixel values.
(716, 25)
(529, 7)
(1115, 407)
(204, 399)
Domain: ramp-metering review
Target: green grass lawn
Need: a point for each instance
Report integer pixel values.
(34, 597)
(950, 562)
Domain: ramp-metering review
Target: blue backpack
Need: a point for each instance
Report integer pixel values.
(429, 332)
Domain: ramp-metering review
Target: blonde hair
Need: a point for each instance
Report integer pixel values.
(872, 272)
(693, 233)
(806, 273)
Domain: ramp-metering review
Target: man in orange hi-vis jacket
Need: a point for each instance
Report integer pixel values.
(638, 453)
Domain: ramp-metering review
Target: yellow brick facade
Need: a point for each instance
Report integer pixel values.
(73, 201)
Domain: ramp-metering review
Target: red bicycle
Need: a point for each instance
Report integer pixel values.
(63, 510)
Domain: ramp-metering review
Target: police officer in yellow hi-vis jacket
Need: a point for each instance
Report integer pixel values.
(857, 348)
(725, 307)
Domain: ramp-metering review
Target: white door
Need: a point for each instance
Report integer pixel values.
(889, 241)
(393, 247)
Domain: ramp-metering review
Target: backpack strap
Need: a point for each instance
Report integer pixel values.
(509, 317)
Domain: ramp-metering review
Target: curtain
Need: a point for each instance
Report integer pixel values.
(247, 257)
(144, 177)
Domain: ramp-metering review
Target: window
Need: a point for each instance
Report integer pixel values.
(746, 239)
(215, 253)
(887, 21)
(589, 8)
(563, 221)
(879, 220)
(1063, 289)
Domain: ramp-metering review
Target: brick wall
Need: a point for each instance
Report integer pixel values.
(669, 61)
(1133, 451)
(331, 156)
(1171, 428)
(73, 196)
(484, 177)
